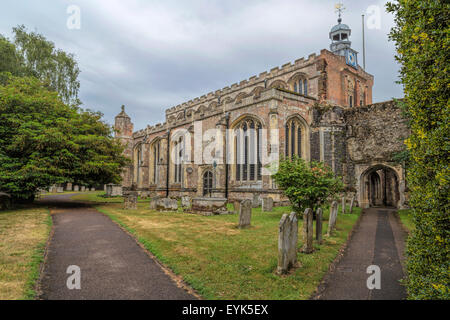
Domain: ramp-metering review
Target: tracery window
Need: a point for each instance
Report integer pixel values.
(248, 140)
(301, 86)
(293, 140)
(179, 151)
(155, 160)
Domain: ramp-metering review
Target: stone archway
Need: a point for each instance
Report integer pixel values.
(380, 187)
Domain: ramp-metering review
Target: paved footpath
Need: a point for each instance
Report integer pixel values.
(379, 239)
(112, 264)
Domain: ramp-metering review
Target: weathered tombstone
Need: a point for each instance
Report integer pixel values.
(267, 204)
(237, 205)
(83, 189)
(130, 200)
(166, 204)
(59, 189)
(186, 202)
(343, 205)
(308, 235)
(256, 202)
(114, 190)
(287, 242)
(153, 201)
(319, 224)
(333, 217)
(104, 187)
(68, 186)
(52, 189)
(352, 203)
(245, 214)
(92, 189)
(76, 188)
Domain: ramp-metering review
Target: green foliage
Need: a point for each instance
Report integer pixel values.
(307, 185)
(43, 141)
(33, 55)
(422, 40)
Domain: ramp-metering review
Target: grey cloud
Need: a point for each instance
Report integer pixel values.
(152, 55)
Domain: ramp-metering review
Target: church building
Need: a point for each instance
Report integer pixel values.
(319, 108)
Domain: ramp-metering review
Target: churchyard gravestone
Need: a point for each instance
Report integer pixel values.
(333, 217)
(308, 235)
(287, 242)
(245, 214)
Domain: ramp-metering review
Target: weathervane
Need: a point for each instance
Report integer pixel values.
(339, 8)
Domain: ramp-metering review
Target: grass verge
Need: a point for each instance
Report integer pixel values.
(221, 261)
(23, 237)
(407, 219)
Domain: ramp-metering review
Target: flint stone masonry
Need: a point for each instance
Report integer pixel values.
(209, 206)
(308, 233)
(287, 242)
(267, 204)
(333, 217)
(319, 225)
(166, 204)
(130, 199)
(245, 214)
(114, 190)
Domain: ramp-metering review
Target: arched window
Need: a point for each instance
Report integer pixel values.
(293, 138)
(179, 151)
(138, 153)
(155, 161)
(207, 183)
(248, 140)
(301, 86)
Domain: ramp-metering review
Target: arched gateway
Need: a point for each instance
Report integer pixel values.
(380, 187)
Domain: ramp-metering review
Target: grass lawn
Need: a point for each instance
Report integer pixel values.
(406, 218)
(23, 235)
(222, 262)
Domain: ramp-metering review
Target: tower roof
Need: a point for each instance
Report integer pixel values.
(340, 26)
(122, 114)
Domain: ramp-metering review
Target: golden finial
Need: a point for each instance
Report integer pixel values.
(339, 8)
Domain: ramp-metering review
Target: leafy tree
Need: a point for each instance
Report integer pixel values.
(43, 141)
(422, 38)
(32, 54)
(307, 185)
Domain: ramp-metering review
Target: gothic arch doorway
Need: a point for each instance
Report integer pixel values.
(380, 187)
(207, 183)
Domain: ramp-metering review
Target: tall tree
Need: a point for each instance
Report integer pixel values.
(422, 38)
(32, 54)
(44, 141)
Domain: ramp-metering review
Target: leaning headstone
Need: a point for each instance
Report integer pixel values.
(245, 214)
(287, 242)
(343, 204)
(333, 217)
(267, 204)
(308, 235)
(256, 202)
(130, 200)
(186, 202)
(76, 188)
(352, 203)
(69, 186)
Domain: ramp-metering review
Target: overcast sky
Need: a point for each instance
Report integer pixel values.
(152, 55)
